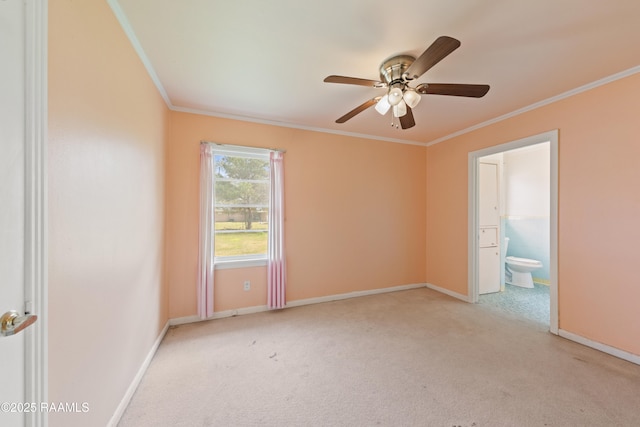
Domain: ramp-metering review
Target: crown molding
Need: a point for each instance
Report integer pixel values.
(556, 98)
(292, 126)
(128, 30)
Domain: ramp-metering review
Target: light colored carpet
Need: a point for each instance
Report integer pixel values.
(410, 358)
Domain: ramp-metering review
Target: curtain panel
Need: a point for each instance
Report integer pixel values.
(206, 233)
(276, 265)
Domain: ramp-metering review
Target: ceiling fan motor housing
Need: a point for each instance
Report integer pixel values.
(392, 70)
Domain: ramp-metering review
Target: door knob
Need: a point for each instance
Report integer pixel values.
(11, 322)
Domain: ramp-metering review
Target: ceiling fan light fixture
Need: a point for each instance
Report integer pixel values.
(383, 105)
(396, 73)
(395, 96)
(400, 109)
(411, 97)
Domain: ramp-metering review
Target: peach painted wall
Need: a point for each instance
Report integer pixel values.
(107, 131)
(355, 212)
(599, 152)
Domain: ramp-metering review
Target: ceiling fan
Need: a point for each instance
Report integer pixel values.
(395, 75)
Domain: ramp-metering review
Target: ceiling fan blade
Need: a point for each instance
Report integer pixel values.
(472, 91)
(435, 53)
(354, 81)
(407, 120)
(359, 109)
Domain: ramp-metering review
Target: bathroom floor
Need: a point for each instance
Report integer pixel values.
(532, 304)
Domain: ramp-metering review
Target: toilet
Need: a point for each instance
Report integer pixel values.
(518, 270)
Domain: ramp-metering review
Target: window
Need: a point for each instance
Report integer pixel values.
(241, 211)
(241, 220)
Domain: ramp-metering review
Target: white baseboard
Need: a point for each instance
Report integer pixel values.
(185, 320)
(115, 419)
(448, 292)
(296, 303)
(218, 315)
(356, 294)
(629, 357)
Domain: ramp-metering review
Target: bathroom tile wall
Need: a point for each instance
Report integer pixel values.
(525, 218)
(529, 238)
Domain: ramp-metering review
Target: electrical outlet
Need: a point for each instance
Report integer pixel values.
(247, 285)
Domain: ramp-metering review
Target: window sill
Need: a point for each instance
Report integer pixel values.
(239, 263)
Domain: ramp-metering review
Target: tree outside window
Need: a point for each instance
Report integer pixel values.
(241, 204)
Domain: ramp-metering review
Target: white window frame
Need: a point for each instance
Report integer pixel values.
(239, 261)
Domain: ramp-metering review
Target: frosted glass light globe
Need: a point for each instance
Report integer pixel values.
(411, 97)
(383, 105)
(400, 109)
(395, 96)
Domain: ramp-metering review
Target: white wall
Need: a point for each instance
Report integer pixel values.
(526, 181)
(108, 300)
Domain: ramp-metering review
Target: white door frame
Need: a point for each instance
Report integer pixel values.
(473, 226)
(36, 117)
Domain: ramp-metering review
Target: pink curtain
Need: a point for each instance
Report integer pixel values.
(276, 268)
(206, 240)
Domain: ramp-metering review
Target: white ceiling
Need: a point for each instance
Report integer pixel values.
(266, 60)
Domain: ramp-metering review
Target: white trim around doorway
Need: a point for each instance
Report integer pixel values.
(473, 226)
(36, 286)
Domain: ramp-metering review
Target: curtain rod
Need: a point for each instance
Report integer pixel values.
(244, 146)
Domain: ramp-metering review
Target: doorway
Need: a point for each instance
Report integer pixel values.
(520, 215)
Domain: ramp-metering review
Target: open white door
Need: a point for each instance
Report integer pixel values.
(12, 206)
(22, 260)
